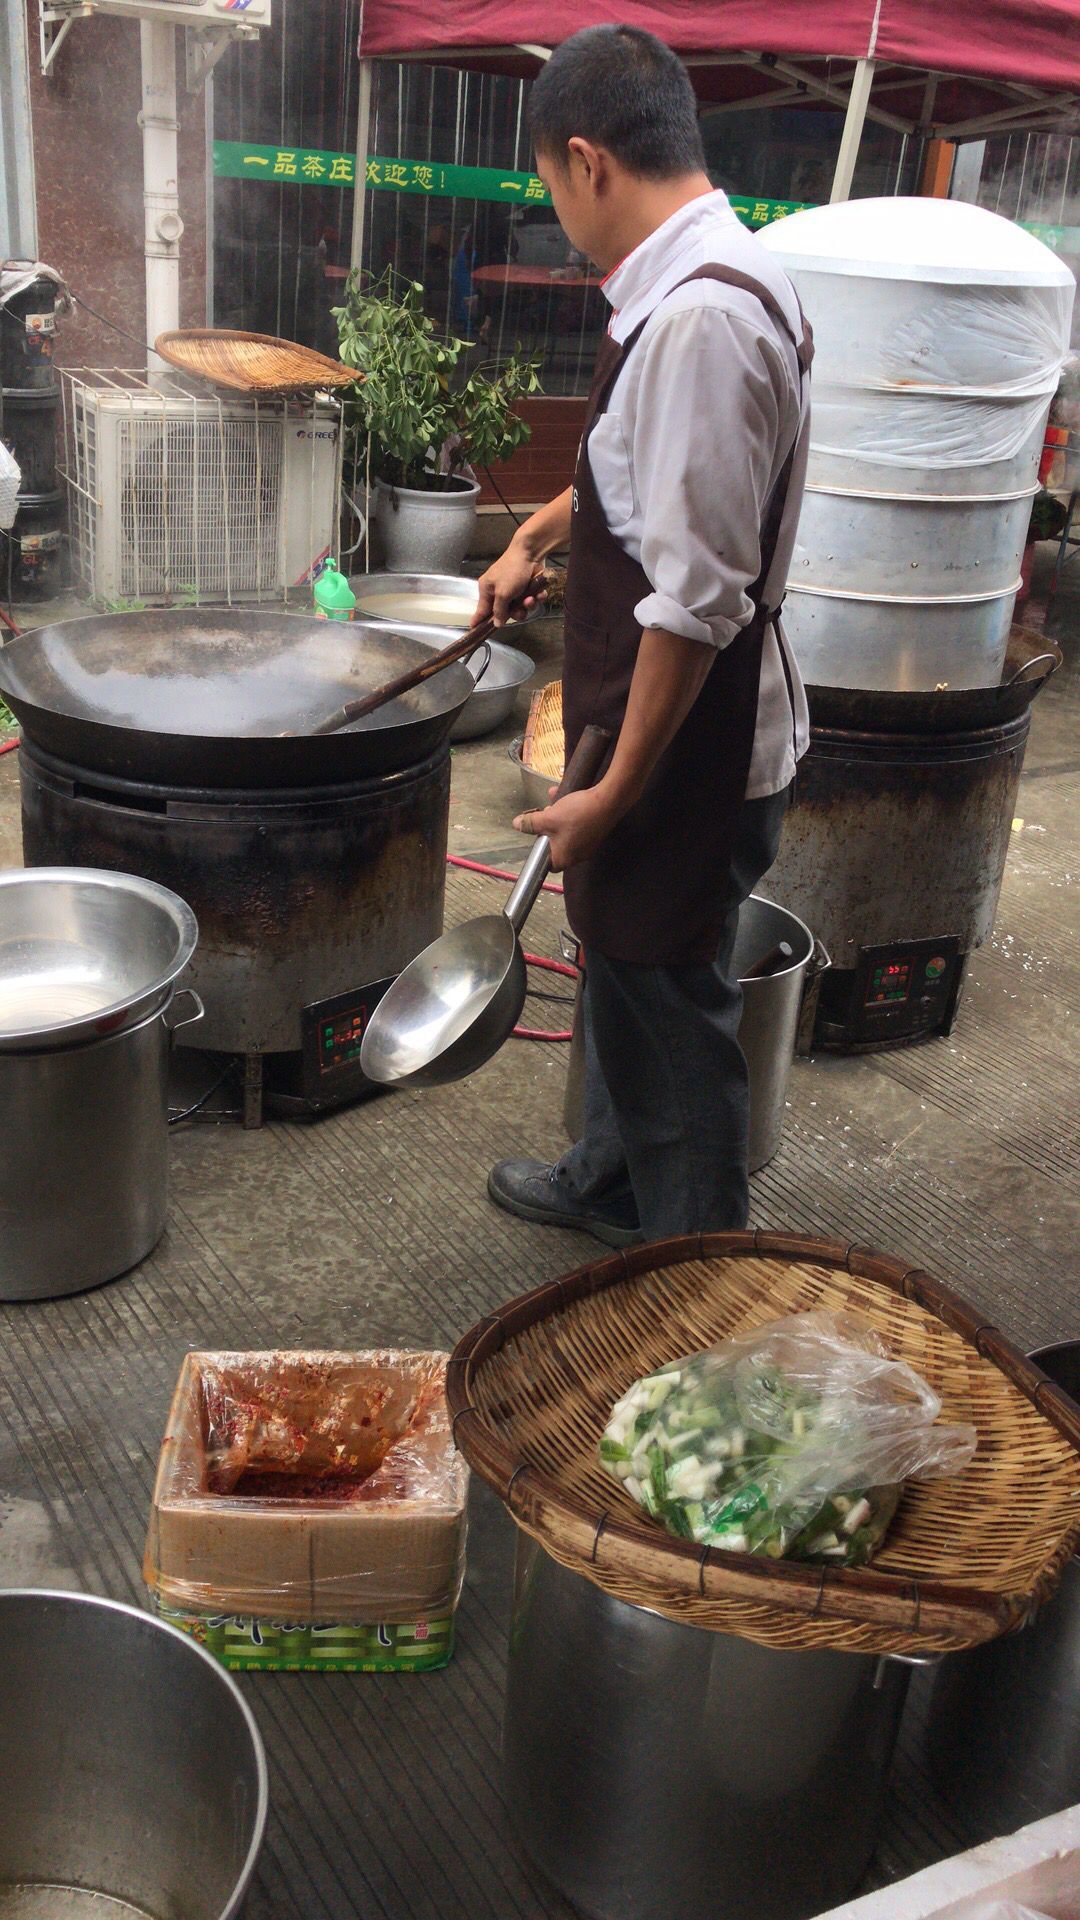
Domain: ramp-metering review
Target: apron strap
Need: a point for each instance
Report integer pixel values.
(612, 357)
(731, 277)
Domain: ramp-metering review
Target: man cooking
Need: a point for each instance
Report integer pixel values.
(680, 526)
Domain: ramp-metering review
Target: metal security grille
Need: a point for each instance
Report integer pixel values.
(200, 505)
(176, 496)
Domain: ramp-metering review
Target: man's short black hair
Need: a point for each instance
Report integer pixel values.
(622, 89)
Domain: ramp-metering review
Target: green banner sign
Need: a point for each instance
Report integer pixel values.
(1061, 239)
(311, 166)
(308, 166)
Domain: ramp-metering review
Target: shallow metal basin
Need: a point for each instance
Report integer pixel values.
(132, 1775)
(84, 952)
(443, 602)
(497, 687)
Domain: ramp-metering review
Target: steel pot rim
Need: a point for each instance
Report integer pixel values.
(128, 1009)
(236, 1899)
(793, 966)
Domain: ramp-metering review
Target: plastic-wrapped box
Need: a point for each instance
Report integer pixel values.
(309, 1510)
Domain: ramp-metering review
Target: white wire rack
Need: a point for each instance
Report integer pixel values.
(178, 495)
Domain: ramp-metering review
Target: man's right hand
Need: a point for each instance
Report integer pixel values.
(546, 531)
(503, 584)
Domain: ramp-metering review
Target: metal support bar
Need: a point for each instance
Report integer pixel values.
(253, 1092)
(363, 148)
(203, 48)
(854, 123)
(51, 42)
(18, 191)
(161, 205)
(1029, 115)
(830, 91)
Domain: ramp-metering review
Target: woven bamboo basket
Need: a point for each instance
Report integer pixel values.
(543, 750)
(531, 1388)
(252, 362)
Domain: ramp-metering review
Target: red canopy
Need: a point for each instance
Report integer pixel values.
(999, 47)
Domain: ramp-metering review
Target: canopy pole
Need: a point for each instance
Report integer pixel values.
(854, 122)
(363, 142)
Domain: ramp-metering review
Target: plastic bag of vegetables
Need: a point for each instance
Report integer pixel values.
(792, 1441)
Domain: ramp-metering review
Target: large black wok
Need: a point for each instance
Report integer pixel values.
(1030, 661)
(224, 698)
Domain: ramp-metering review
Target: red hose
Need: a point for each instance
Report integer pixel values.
(495, 873)
(9, 746)
(531, 959)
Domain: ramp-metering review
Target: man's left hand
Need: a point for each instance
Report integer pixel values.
(576, 825)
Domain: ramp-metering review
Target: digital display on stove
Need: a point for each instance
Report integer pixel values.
(890, 983)
(340, 1036)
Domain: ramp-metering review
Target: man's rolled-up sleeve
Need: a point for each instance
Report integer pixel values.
(708, 409)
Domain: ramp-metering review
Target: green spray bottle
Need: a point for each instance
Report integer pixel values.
(334, 598)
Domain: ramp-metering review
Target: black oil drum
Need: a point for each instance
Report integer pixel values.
(32, 553)
(27, 339)
(29, 430)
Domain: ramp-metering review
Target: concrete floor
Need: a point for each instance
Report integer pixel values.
(373, 1227)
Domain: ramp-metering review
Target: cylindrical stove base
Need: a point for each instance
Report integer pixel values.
(894, 852)
(301, 895)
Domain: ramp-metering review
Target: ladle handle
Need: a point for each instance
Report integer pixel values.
(359, 709)
(588, 758)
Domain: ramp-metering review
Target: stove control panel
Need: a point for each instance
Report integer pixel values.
(905, 989)
(893, 994)
(326, 1072)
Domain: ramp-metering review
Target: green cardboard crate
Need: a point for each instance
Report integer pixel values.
(247, 1645)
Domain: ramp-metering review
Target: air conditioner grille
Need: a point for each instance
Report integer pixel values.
(199, 506)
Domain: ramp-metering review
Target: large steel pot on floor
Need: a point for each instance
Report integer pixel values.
(1003, 1732)
(662, 1772)
(88, 963)
(132, 1775)
(767, 1030)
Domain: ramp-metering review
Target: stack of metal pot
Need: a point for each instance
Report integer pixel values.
(88, 965)
(940, 331)
(29, 413)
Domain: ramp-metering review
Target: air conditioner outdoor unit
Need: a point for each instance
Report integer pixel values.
(239, 15)
(175, 495)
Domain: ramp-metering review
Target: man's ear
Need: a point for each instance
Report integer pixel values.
(590, 161)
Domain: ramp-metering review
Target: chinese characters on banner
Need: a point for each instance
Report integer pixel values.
(307, 166)
(303, 166)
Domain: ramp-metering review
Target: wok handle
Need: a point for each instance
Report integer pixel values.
(588, 758)
(465, 643)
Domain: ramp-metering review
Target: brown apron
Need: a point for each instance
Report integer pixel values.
(653, 892)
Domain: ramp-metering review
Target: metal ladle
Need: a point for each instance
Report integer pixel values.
(454, 1005)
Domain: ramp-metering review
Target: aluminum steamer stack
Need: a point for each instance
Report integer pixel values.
(940, 331)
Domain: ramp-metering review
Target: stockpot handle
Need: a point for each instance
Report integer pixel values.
(485, 648)
(903, 1660)
(820, 960)
(188, 1019)
(1027, 666)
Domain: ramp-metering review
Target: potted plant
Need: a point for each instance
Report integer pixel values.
(1048, 516)
(422, 422)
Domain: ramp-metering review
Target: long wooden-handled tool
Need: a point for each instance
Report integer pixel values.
(458, 649)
